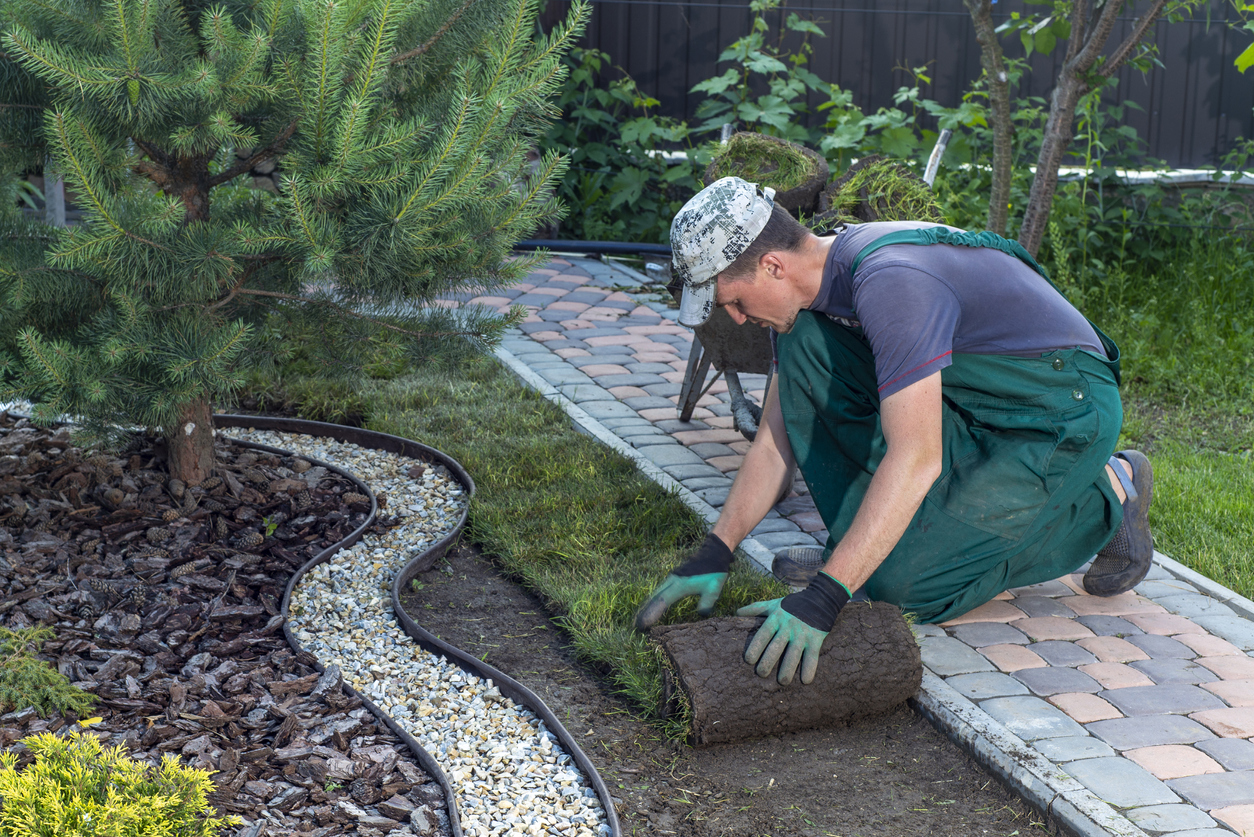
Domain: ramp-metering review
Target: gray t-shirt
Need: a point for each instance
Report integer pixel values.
(917, 305)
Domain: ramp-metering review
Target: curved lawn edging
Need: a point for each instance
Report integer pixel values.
(509, 687)
(312, 428)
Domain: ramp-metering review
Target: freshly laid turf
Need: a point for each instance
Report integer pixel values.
(574, 521)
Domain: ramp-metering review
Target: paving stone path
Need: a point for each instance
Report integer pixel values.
(1145, 701)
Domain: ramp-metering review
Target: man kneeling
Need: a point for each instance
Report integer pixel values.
(952, 414)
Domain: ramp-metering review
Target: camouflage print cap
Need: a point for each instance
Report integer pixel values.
(709, 233)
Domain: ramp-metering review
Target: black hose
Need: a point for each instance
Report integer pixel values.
(617, 248)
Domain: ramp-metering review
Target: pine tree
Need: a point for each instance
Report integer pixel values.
(399, 129)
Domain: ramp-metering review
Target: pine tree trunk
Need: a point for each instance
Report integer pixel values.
(191, 443)
(1054, 145)
(999, 99)
(869, 664)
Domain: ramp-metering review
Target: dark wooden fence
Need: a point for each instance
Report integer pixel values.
(1194, 107)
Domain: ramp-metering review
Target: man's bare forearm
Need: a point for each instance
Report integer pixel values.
(911, 423)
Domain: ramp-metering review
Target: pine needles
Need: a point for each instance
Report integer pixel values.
(26, 680)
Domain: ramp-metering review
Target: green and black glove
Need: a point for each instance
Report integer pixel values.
(795, 628)
(701, 575)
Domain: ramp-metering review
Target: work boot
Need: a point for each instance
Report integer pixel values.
(797, 566)
(1123, 563)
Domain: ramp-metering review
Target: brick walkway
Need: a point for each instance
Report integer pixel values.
(1145, 701)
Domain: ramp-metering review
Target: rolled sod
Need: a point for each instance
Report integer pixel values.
(869, 665)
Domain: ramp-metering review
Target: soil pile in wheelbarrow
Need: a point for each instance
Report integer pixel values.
(869, 665)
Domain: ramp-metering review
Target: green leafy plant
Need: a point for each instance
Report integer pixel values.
(26, 680)
(77, 786)
(619, 186)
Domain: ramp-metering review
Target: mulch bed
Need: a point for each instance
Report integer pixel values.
(165, 603)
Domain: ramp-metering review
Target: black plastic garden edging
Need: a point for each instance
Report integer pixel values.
(505, 684)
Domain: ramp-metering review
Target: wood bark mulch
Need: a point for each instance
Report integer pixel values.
(165, 599)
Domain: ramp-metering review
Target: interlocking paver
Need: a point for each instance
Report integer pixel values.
(1043, 606)
(1164, 624)
(694, 437)
(624, 379)
(1234, 692)
(1159, 647)
(1217, 790)
(1170, 818)
(1116, 675)
(980, 634)
(1162, 700)
(986, 684)
(1232, 753)
(779, 524)
(994, 611)
(1053, 680)
(1164, 587)
(1174, 761)
(649, 441)
(1170, 672)
(779, 540)
(1072, 748)
(810, 521)
(1109, 626)
(1195, 604)
(1149, 731)
(670, 455)
(1052, 627)
(1063, 653)
(1045, 588)
(709, 450)
(596, 370)
(1120, 782)
(1206, 645)
(946, 656)
(685, 472)
(1121, 605)
(1233, 722)
(1240, 818)
(1110, 649)
(1238, 631)
(1031, 718)
(1085, 708)
(1229, 668)
(1010, 657)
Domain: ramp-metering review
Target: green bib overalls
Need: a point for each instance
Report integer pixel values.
(1022, 496)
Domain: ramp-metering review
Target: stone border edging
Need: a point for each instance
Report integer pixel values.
(424, 561)
(1213, 588)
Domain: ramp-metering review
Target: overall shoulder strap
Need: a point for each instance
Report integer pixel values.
(941, 235)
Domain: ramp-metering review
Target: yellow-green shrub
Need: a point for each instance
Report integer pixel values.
(78, 787)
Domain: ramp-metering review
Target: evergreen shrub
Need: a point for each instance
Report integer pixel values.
(399, 129)
(76, 786)
(26, 680)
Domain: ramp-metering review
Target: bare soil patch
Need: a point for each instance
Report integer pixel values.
(893, 775)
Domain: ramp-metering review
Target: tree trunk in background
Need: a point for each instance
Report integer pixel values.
(1091, 27)
(191, 443)
(999, 104)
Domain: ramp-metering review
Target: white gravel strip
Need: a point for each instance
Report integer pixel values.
(508, 772)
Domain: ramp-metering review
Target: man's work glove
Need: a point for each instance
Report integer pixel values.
(701, 575)
(795, 627)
